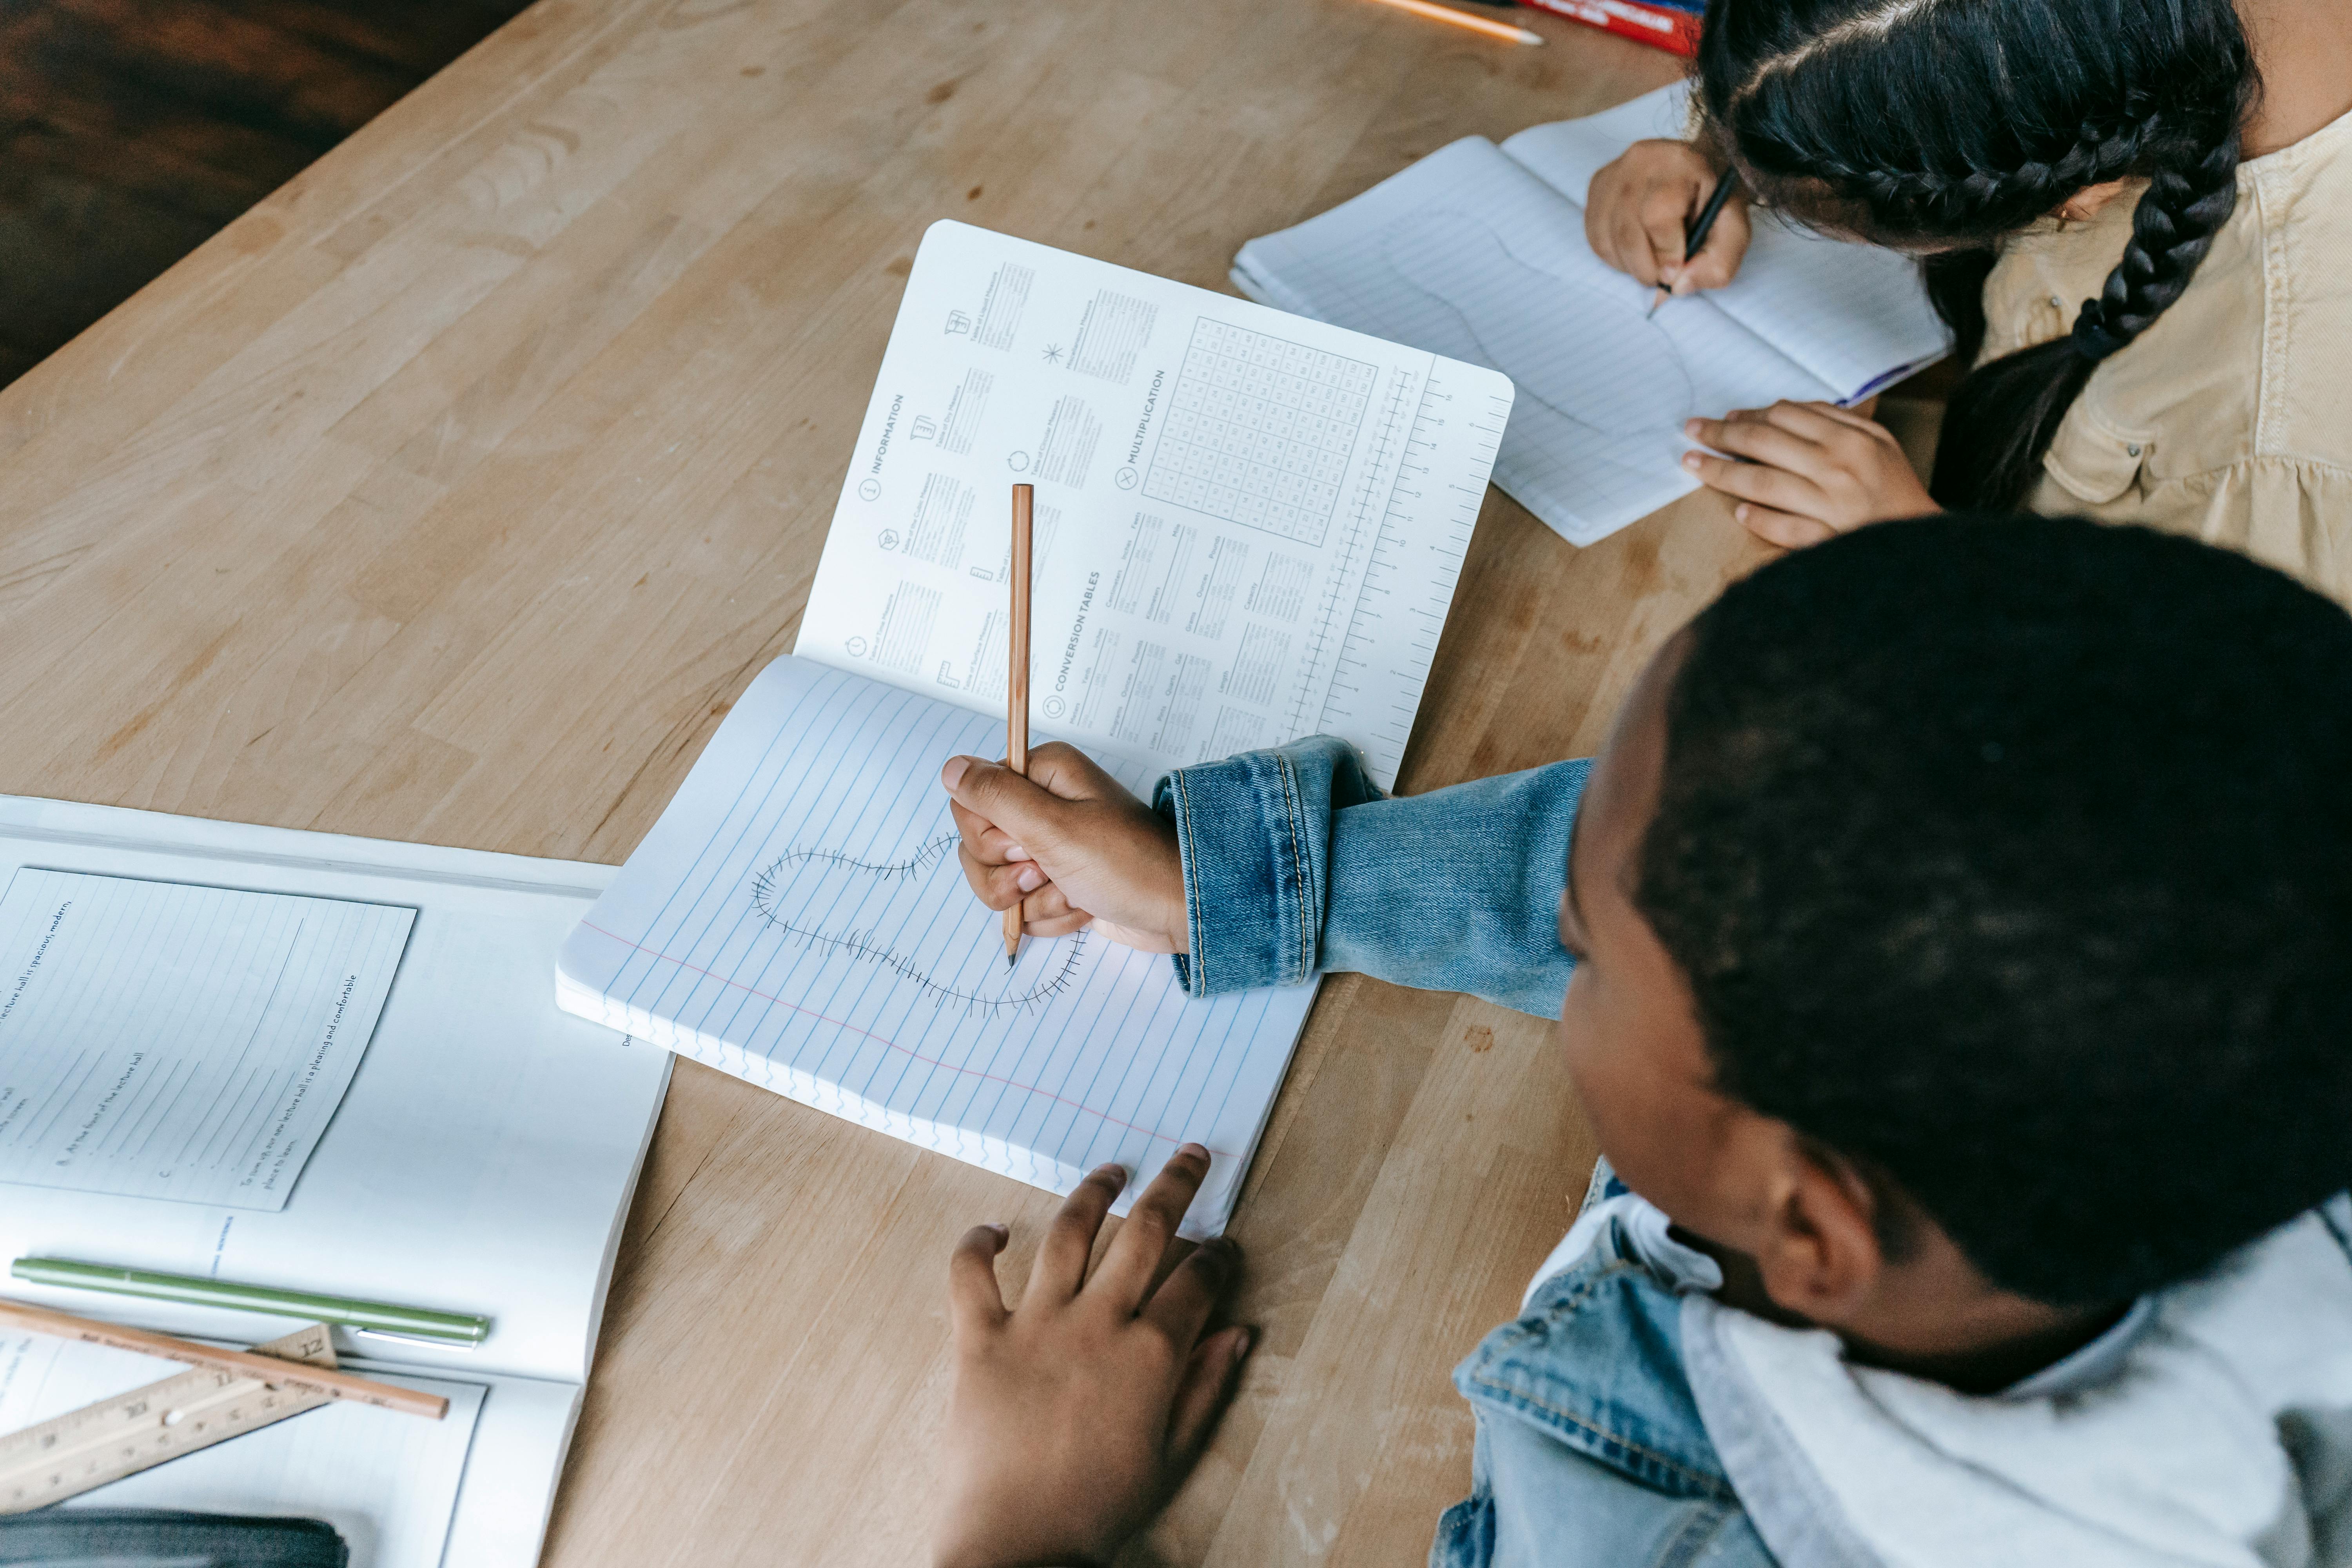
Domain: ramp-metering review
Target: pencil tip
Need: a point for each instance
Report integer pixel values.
(1010, 959)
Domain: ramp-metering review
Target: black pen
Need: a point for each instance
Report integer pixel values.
(1699, 230)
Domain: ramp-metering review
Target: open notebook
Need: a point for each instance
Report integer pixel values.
(1248, 529)
(1478, 252)
(321, 1064)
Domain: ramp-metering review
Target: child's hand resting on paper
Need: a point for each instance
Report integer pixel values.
(1078, 1413)
(1639, 210)
(1071, 846)
(1812, 470)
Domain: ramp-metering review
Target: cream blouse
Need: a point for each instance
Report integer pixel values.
(2230, 417)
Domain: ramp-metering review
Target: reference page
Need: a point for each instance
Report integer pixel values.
(1248, 525)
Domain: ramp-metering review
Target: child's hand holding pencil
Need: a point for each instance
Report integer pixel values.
(1068, 847)
(1644, 212)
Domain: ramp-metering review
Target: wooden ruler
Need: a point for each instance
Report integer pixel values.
(69, 1454)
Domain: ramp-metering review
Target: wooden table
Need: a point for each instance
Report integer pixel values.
(454, 493)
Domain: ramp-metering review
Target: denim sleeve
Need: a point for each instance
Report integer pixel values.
(1295, 863)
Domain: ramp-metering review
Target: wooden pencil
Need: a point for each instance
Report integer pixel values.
(242, 1363)
(1493, 30)
(1016, 700)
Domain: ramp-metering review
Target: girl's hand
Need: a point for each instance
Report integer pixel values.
(1638, 213)
(1071, 846)
(1814, 470)
(1077, 1414)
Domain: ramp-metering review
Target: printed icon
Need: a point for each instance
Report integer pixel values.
(889, 540)
(869, 489)
(1054, 707)
(1053, 353)
(1018, 462)
(1126, 478)
(923, 429)
(958, 323)
(947, 674)
(855, 648)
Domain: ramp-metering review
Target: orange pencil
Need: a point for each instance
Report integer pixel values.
(241, 1363)
(1493, 30)
(1016, 703)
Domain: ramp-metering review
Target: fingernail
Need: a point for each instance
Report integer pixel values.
(953, 774)
(1195, 1150)
(1690, 428)
(1690, 461)
(1248, 1342)
(1004, 1231)
(1667, 275)
(1029, 880)
(1741, 512)
(1015, 852)
(1115, 1171)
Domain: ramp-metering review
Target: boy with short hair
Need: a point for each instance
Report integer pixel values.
(1955, 944)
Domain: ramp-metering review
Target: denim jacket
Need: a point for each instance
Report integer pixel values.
(1295, 864)
(1590, 1449)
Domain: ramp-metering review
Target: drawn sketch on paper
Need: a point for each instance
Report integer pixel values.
(872, 912)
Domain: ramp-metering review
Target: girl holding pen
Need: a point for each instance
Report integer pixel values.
(2131, 215)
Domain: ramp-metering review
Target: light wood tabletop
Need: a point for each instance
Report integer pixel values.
(454, 493)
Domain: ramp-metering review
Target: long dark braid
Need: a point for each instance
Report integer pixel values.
(1944, 125)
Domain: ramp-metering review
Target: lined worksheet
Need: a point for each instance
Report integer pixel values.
(1478, 253)
(1855, 316)
(797, 917)
(388, 1482)
(1228, 501)
(162, 1039)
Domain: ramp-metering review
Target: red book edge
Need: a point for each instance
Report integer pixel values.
(1676, 32)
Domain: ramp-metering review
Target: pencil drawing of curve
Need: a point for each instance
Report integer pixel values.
(869, 946)
(921, 860)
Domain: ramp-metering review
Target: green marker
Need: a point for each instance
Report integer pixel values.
(456, 1328)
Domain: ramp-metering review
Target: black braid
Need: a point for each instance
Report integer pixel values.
(1949, 126)
(2004, 414)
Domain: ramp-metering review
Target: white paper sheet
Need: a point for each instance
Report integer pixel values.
(1468, 254)
(482, 1155)
(1478, 253)
(1855, 316)
(387, 1481)
(1247, 522)
(797, 917)
(168, 1040)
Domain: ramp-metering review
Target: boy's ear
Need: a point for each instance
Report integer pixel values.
(1820, 1255)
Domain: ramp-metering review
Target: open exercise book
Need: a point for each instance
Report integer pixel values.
(1478, 252)
(318, 1064)
(1248, 529)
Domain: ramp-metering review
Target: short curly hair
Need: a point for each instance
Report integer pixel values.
(2011, 858)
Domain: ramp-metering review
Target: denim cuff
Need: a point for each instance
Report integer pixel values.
(1252, 854)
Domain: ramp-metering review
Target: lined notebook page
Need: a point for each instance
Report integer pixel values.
(798, 918)
(1856, 316)
(1468, 255)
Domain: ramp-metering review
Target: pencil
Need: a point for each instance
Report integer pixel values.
(1503, 30)
(1016, 700)
(373, 1317)
(242, 1363)
(1700, 230)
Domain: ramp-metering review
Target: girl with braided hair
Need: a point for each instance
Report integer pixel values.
(2135, 216)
